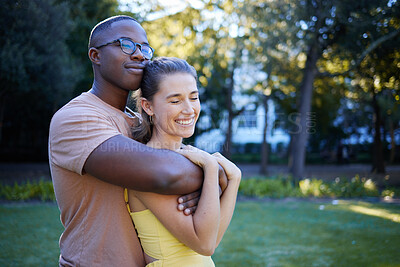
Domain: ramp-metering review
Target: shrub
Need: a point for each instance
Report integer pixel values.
(259, 187)
(275, 187)
(41, 189)
(314, 188)
(283, 187)
(355, 187)
(391, 192)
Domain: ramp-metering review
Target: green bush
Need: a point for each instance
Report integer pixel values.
(313, 188)
(391, 192)
(277, 188)
(355, 187)
(283, 187)
(42, 190)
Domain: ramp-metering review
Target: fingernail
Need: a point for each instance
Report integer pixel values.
(180, 200)
(180, 207)
(187, 211)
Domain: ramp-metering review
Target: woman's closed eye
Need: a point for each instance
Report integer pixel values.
(194, 96)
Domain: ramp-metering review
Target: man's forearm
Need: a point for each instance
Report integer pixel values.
(127, 163)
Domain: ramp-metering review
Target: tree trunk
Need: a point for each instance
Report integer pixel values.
(304, 107)
(392, 141)
(378, 161)
(2, 108)
(229, 106)
(228, 136)
(264, 145)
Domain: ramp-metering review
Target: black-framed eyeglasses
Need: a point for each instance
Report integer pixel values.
(129, 47)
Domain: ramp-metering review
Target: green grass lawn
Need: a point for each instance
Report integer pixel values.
(29, 234)
(262, 233)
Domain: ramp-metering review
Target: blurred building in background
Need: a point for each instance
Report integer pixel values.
(247, 129)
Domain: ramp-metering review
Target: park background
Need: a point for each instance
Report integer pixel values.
(303, 95)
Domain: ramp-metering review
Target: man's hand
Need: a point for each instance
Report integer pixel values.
(188, 203)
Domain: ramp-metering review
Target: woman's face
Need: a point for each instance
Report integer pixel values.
(176, 106)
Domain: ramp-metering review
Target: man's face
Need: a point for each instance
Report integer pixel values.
(117, 68)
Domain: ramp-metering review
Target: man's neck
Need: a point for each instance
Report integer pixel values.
(113, 96)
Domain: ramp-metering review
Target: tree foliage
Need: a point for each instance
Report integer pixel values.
(43, 48)
(35, 70)
(331, 67)
(84, 15)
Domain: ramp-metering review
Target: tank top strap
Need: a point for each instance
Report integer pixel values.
(126, 197)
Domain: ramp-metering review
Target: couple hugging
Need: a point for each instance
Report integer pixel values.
(129, 192)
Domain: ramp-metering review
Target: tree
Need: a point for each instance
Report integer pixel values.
(209, 45)
(378, 76)
(35, 73)
(316, 30)
(375, 69)
(84, 15)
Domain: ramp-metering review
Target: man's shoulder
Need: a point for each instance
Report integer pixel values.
(83, 101)
(81, 105)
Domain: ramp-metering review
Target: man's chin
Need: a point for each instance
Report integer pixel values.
(132, 88)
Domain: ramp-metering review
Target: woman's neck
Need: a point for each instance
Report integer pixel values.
(165, 142)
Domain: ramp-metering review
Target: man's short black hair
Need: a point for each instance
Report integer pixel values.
(104, 25)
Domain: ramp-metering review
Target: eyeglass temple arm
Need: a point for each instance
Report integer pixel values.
(100, 46)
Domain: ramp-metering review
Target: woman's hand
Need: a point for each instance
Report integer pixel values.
(198, 156)
(231, 170)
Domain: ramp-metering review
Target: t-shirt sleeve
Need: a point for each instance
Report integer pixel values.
(74, 134)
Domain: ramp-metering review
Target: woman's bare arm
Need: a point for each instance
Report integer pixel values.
(198, 231)
(228, 198)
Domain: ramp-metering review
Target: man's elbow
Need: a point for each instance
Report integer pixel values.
(174, 180)
(165, 182)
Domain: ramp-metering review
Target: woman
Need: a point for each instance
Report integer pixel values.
(169, 105)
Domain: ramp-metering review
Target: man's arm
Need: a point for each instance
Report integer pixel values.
(128, 163)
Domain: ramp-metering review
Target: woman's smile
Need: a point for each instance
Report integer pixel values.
(185, 122)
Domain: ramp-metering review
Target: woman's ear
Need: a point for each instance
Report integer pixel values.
(94, 55)
(146, 106)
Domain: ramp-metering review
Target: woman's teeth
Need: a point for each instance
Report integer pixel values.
(184, 122)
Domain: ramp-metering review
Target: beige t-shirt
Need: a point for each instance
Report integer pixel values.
(98, 229)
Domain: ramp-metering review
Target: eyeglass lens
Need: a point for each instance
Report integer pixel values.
(129, 47)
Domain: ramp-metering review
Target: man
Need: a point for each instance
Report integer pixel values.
(92, 157)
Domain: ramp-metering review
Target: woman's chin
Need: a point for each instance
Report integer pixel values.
(186, 135)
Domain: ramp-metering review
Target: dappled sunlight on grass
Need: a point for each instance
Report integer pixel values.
(308, 233)
(375, 212)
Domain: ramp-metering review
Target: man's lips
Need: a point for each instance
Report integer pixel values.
(135, 68)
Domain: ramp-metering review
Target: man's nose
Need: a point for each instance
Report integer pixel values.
(138, 54)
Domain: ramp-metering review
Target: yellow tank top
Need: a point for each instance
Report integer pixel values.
(159, 243)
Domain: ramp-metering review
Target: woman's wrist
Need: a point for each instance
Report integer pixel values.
(211, 164)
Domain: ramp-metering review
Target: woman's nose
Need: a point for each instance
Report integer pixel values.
(188, 107)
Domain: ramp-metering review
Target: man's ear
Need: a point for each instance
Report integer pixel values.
(94, 55)
(146, 106)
